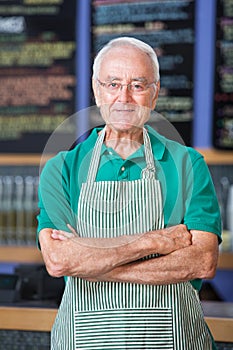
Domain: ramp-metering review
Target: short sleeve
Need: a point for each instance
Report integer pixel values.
(202, 209)
(54, 195)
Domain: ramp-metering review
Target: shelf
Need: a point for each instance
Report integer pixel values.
(42, 319)
(225, 260)
(20, 254)
(221, 328)
(27, 319)
(216, 157)
(219, 317)
(22, 159)
(211, 155)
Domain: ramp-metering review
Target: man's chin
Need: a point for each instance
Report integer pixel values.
(123, 126)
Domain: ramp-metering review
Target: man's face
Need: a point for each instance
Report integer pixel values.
(122, 106)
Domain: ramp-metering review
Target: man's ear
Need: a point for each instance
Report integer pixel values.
(156, 95)
(96, 90)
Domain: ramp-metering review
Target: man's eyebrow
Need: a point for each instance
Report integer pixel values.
(111, 78)
(141, 79)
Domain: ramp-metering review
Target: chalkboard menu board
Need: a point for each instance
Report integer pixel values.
(223, 96)
(168, 26)
(37, 71)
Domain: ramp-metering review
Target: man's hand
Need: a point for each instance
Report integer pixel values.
(170, 239)
(64, 235)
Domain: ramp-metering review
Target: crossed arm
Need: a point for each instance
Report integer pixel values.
(184, 256)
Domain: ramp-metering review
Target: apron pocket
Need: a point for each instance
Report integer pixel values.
(124, 329)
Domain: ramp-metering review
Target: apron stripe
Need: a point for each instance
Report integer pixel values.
(106, 328)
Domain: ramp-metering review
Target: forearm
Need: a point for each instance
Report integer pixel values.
(163, 270)
(86, 257)
(179, 266)
(90, 257)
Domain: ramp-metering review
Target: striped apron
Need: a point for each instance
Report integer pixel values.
(111, 315)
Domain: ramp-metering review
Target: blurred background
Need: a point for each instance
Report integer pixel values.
(46, 53)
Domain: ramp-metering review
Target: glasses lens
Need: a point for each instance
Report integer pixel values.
(137, 87)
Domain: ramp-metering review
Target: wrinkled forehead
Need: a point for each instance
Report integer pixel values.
(128, 60)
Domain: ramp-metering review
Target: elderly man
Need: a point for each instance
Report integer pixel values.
(143, 221)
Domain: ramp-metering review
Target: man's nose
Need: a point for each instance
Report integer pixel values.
(124, 94)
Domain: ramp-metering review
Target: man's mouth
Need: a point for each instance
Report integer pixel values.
(126, 110)
(123, 110)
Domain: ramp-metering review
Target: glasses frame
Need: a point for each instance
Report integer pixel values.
(103, 84)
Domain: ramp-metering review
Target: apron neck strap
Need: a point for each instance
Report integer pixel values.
(148, 172)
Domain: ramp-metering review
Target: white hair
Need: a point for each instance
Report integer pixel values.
(126, 41)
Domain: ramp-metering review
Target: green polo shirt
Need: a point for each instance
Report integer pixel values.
(187, 189)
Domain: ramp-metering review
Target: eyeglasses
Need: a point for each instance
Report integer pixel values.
(135, 87)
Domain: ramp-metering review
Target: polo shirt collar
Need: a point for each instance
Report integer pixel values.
(139, 153)
(158, 143)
